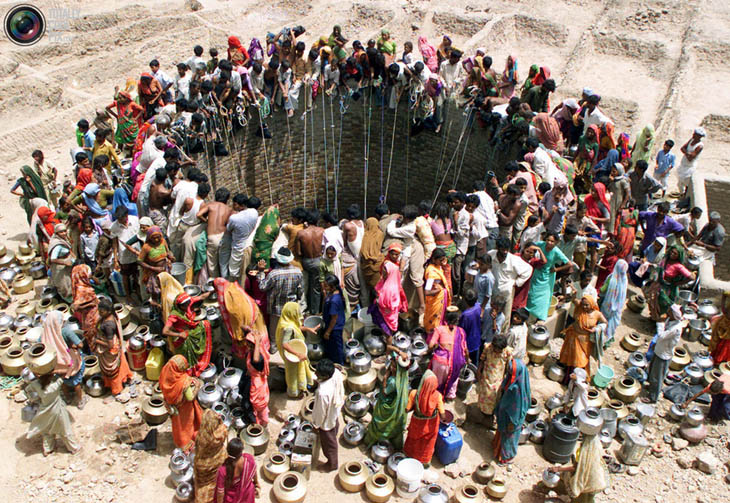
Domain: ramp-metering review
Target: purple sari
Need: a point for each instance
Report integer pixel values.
(447, 364)
(242, 489)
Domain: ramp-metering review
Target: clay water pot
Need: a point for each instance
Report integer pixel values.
(484, 473)
(693, 434)
(12, 361)
(274, 465)
(290, 487)
(353, 476)
(256, 436)
(307, 409)
(91, 363)
(379, 488)
(40, 359)
(353, 433)
(497, 488)
(154, 410)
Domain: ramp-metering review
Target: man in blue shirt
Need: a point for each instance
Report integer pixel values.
(470, 321)
(664, 165)
(484, 282)
(86, 137)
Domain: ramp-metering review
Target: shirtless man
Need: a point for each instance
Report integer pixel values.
(353, 230)
(308, 246)
(511, 208)
(191, 226)
(159, 197)
(216, 215)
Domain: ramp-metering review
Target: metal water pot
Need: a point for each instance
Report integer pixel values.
(360, 362)
(539, 336)
(703, 359)
(354, 433)
(590, 421)
(381, 451)
(694, 373)
(352, 346)
(356, 405)
(208, 374)
(374, 345)
(694, 417)
(630, 425)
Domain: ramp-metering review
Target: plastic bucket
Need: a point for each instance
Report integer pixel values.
(364, 318)
(603, 377)
(410, 473)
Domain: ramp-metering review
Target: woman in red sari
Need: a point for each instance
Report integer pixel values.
(85, 306)
(129, 116)
(626, 224)
(237, 54)
(611, 255)
(180, 393)
(534, 256)
(598, 209)
(237, 478)
(427, 405)
(448, 343)
(109, 348)
(150, 94)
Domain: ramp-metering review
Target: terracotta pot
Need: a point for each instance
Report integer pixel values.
(497, 488)
(154, 411)
(631, 342)
(26, 307)
(379, 488)
(484, 473)
(275, 464)
(12, 361)
(353, 476)
(290, 487)
(22, 284)
(40, 359)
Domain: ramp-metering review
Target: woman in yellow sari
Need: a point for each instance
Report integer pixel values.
(438, 295)
(299, 374)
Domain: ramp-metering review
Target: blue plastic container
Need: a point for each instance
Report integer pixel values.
(448, 443)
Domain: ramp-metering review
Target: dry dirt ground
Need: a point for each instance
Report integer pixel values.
(659, 61)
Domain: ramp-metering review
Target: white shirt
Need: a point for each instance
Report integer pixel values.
(194, 61)
(124, 234)
(182, 86)
(328, 401)
(164, 81)
(667, 338)
(149, 153)
(450, 74)
(405, 232)
(461, 231)
(544, 166)
(531, 234)
(512, 272)
(332, 236)
(180, 192)
(596, 117)
(478, 230)
(149, 175)
(517, 340)
(331, 73)
(486, 209)
(424, 75)
(191, 216)
(249, 240)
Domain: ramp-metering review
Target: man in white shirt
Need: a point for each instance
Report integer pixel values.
(328, 401)
(181, 191)
(194, 62)
(593, 114)
(665, 340)
(421, 72)
(478, 233)
(450, 71)
(122, 230)
(486, 209)
(509, 271)
(461, 228)
(400, 74)
(240, 227)
(182, 82)
(165, 81)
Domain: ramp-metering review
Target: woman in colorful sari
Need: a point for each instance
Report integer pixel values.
(512, 404)
(180, 393)
(665, 281)
(237, 54)
(531, 74)
(85, 305)
(61, 259)
(542, 283)
(450, 354)
(109, 348)
(437, 291)
(299, 374)
(237, 481)
(41, 226)
(210, 453)
(154, 257)
(548, 132)
(720, 341)
(386, 46)
(577, 346)
(371, 258)
(129, 116)
(598, 209)
(509, 78)
(444, 49)
(428, 53)
(266, 234)
(623, 146)
(69, 359)
(644, 146)
(492, 362)
(427, 405)
(587, 155)
(613, 298)
(627, 222)
(337, 42)
(391, 298)
(31, 187)
(608, 261)
(389, 413)
(188, 337)
(150, 94)
(441, 228)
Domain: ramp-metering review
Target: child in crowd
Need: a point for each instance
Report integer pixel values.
(532, 232)
(470, 321)
(585, 227)
(407, 53)
(89, 241)
(484, 282)
(664, 165)
(517, 334)
(581, 288)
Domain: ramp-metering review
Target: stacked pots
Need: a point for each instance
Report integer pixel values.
(361, 378)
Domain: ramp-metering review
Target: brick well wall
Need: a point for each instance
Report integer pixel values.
(718, 199)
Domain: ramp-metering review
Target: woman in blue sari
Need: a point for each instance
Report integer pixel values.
(543, 278)
(512, 405)
(122, 199)
(613, 298)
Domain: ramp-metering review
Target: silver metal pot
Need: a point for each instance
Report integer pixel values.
(229, 378)
(696, 327)
(703, 359)
(554, 401)
(694, 417)
(590, 421)
(694, 372)
(208, 374)
(676, 412)
(356, 405)
(556, 373)
(209, 394)
(193, 290)
(374, 345)
(686, 297)
(6, 321)
(418, 348)
(286, 435)
(401, 341)
(539, 336)
(381, 451)
(630, 425)
(22, 321)
(352, 346)
(638, 359)
(537, 431)
(184, 492)
(7, 274)
(360, 362)
(392, 465)
(37, 270)
(707, 310)
(146, 311)
(354, 433)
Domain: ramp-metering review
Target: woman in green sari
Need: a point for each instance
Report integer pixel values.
(666, 280)
(387, 46)
(30, 186)
(188, 337)
(389, 413)
(266, 234)
(337, 43)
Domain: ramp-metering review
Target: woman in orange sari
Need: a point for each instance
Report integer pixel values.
(436, 290)
(626, 224)
(109, 348)
(577, 346)
(180, 391)
(427, 405)
(210, 453)
(85, 306)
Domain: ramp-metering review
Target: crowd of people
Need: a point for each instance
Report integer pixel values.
(473, 269)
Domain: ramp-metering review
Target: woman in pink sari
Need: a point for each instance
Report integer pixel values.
(391, 299)
(428, 52)
(450, 354)
(237, 479)
(509, 79)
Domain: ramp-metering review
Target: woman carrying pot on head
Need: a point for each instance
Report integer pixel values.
(188, 337)
(450, 354)
(492, 362)
(238, 481)
(109, 348)
(299, 374)
(85, 305)
(210, 453)
(180, 393)
(512, 404)
(52, 419)
(69, 358)
(61, 259)
(389, 413)
(427, 405)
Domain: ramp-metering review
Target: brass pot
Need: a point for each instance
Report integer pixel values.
(6, 342)
(353, 476)
(290, 487)
(362, 383)
(626, 389)
(25, 249)
(379, 488)
(631, 342)
(307, 409)
(12, 361)
(64, 309)
(22, 284)
(620, 407)
(468, 493)
(24, 259)
(725, 367)
(26, 307)
(43, 305)
(680, 359)
(123, 313)
(594, 398)
(537, 355)
(711, 375)
(92, 365)
(484, 473)
(497, 488)
(3, 250)
(154, 410)
(40, 359)
(276, 464)
(256, 436)
(7, 259)
(636, 303)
